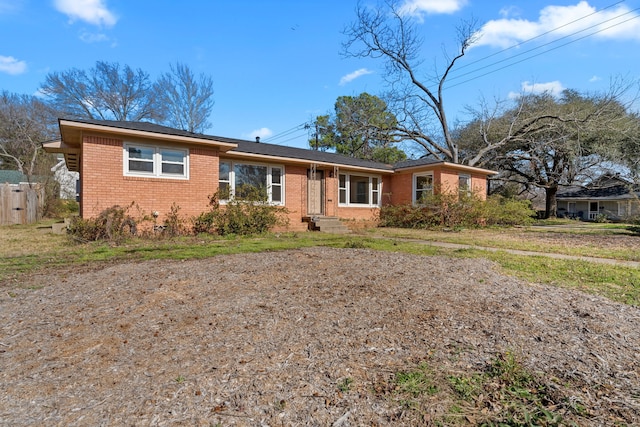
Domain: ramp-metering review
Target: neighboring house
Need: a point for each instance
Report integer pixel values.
(610, 195)
(66, 179)
(156, 166)
(13, 177)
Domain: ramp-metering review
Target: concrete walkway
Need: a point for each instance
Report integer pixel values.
(609, 261)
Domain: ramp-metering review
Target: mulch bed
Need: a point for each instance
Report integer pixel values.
(266, 339)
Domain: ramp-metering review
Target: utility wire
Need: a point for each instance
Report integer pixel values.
(455, 77)
(540, 35)
(286, 132)
(542, 53)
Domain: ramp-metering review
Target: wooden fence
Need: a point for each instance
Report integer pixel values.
(20, 203)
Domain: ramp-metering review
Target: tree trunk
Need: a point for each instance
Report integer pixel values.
(550, 201)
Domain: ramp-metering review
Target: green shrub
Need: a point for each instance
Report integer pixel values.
(250, 215)
(174, 225)
(113, 224)
(451, 210)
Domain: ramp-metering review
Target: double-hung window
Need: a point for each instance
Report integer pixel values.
(464, 183)
(251, 181)
(358, 190)
(155, 161)
(422, 186)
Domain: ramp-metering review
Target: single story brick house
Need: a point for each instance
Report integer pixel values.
(156, 166)
(610, 195)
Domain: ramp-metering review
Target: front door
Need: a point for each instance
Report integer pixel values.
(315, 192)
(593, 210)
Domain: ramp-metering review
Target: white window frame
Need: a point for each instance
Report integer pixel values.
(156, 160)
(370, 189)
(270, 167)
(414, 184)
(468, 189)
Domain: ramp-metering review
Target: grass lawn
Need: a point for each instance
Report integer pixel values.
(30, 249)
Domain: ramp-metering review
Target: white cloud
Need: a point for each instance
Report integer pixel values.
(352, 76)
(594, 79)
(10, 65)
(604, 24)
(417, 8)
(91, 11)
(554, 88)
(93, 37)
(262, 133)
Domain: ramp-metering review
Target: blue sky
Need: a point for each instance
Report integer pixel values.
(277, 64)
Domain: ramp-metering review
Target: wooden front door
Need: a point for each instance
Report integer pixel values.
(315, 192)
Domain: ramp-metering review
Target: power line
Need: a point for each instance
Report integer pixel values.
(540, 35)
(455, 77)
(286, 132)
(542, 53)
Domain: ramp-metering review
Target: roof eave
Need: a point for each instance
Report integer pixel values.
(290, 160)
(67, 128)
(451, 166)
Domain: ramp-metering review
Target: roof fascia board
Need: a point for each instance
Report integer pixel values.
(223, 146)
(449, 165)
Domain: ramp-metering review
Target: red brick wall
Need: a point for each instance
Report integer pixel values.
(104, 183)
(443, 179)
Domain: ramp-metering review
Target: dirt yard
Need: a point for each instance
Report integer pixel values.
(267, 339)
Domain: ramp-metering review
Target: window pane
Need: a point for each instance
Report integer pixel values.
(464, 183)
(251, 180)
(173, 169)
(374, 198)
(275, 176)
(358, 189)
(172, 156)
(424, 186)
(140, 166)
(224, 171)
(141, 153)
(276, 194)
(343, 196)
(343, 181)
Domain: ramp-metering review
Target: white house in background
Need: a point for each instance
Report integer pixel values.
(67, 179)
(609, 196)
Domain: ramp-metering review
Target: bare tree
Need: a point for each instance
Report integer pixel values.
(25, 122)
(107, 92)
(543, 142)
(185, 101)
(387, 32)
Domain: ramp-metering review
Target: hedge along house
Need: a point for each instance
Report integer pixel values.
(156, 166)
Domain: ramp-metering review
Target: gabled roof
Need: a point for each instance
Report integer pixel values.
(612, 192)
(607, 186)
(71, 131)
(322, 157)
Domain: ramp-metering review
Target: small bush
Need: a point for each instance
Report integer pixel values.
(113, 224)
(250, 215)
(174, 225)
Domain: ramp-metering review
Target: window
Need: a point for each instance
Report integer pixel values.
(360, 190)
(245, 180)
(160, 162)
(422, 186)
(464, 184)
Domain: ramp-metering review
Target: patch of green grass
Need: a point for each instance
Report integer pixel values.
(619, 283)
(415, 383)
(344, 385)
(505, 393)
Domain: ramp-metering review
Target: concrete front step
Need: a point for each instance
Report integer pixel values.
(327, 225)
